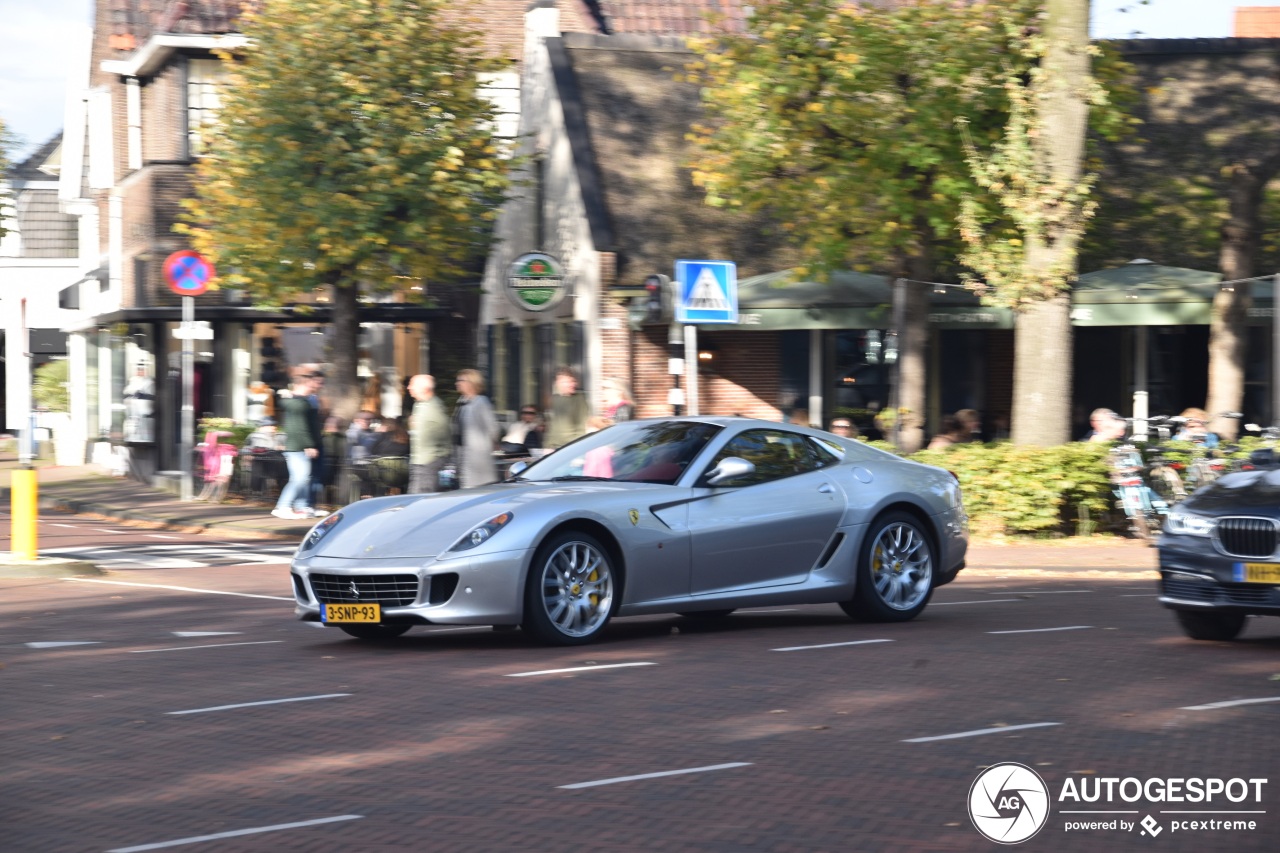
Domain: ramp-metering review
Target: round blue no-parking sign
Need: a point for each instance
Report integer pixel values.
(188, 273)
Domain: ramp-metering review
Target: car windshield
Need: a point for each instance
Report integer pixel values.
(635, 451)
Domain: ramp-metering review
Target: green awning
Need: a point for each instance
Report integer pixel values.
(850, 300)
(1142, 293)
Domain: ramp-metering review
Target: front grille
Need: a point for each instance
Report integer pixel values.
(387, 590)
(1247, 537)
(1212, 593)
(1188, 590)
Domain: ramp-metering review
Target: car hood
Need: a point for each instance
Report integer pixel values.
(415, 526)
(1248, 492)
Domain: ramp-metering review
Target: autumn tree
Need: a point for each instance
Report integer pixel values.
(1026, 255)
(354, 153)
(839, 120)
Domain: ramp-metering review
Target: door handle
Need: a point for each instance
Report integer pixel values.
(825, 488)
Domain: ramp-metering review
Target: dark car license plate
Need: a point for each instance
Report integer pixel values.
(351, 613)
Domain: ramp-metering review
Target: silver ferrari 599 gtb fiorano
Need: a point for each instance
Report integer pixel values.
(697, 516)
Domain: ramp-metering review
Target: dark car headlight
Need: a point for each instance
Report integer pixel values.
(1189, 524)
(312, 539)
(481, 533)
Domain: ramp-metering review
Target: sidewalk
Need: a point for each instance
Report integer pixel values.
(84, 490)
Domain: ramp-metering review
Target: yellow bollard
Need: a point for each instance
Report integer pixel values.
(24, 493)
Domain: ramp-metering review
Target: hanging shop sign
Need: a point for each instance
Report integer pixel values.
(536, 282)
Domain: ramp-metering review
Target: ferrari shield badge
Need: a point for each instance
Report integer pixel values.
(634, 515)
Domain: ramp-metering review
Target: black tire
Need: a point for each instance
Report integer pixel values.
(376, 631)
(572, 590)
(706, 614)
(895, 573)
(1209, 625)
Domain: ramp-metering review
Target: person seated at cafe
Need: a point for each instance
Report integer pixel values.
(1196, 428)
(393, 441)
(263, 437)
(525, 435)
(952, 431)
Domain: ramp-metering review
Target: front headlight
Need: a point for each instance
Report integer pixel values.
(480, 534)
(1189, 524)
(319, 532)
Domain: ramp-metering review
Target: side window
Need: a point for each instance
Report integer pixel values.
(775, 453)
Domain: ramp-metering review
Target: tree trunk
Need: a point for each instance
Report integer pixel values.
(1042, 346)
(342, 386)
(912, 340)
(1228, 327)
(1042, 373)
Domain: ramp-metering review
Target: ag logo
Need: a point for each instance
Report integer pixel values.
(1009, 803)
(634, 515)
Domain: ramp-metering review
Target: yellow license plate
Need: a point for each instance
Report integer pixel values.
(1258, 573)
(351, 613)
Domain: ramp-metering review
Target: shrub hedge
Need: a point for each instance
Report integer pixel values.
(1045, 491)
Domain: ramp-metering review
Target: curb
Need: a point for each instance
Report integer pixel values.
(48, 567)
(179, 525)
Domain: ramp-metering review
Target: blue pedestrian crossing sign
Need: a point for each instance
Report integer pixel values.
(706, 292)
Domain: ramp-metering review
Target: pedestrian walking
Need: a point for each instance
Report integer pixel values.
(301, 422)
(618, 405)
(474, 431)
(569, 410)
(429, 436)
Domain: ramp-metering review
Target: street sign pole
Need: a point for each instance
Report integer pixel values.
(691, 368)
(188, 389)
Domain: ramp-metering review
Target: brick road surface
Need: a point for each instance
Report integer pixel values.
(438, 749)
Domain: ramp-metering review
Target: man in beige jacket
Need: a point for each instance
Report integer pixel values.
(430, 436)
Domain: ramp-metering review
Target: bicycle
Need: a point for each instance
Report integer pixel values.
(1144, 506)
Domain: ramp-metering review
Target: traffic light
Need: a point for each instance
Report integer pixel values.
(658, 308)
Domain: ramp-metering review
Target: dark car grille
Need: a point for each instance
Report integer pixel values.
(1247, 537)
(1212, 593)
(388, 590)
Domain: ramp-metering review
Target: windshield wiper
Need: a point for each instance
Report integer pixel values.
(580, 477)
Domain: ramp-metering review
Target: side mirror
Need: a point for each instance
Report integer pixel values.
(730, 468)
(517, 469)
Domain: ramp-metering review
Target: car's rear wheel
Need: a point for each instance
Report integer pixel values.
(1199, 625)
(375, 632)
(895, 571)
(569, 595)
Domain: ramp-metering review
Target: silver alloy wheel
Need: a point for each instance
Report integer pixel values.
(577, 588)
(901, 566)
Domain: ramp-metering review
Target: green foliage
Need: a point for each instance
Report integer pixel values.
(839, 118)
(49, 386)
(1014, 490)
(8, 143)
(353, 147)
(238, 431)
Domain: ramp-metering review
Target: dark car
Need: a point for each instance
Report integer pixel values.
(1220, 555)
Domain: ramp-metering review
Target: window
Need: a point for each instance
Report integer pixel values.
(775, 453)
(205, 79)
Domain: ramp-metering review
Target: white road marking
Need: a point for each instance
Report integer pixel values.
(771, 610)
(180, 588)
(579, 669)
(255, 704)
(1043, 592)
(618, 779)
(162, 536)
(208, 646)
(55, 645)
(1043, 630)
(72, 526)
(205, 633)
(1140, 595)
(159, 845)
(985, 601)
(1212, 706)
(976, 732)
(829, 645)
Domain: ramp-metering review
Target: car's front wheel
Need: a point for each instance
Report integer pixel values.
(375, 632)
(1200, 625)
(569, 595)
(895, 571)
